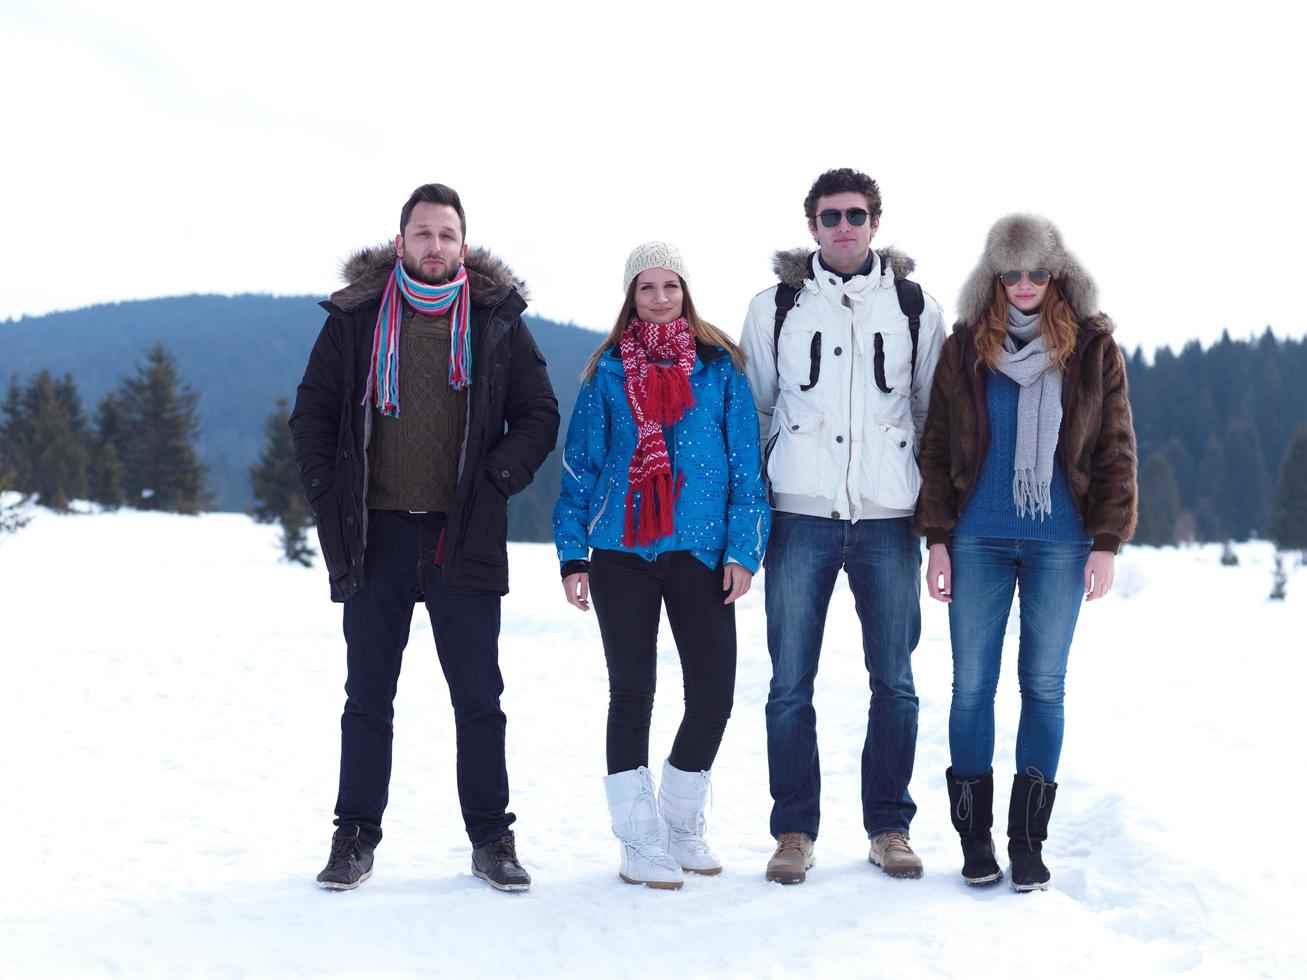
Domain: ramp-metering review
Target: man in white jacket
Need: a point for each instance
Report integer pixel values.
(841, 357)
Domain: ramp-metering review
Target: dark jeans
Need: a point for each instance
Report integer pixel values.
(400, 566)
(1051, 580)
(882, 559)
(628, 594)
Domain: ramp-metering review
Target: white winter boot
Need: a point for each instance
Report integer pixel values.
(636, 823)
(681, 800)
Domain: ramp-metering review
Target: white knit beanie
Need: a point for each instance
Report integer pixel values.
(653, 255)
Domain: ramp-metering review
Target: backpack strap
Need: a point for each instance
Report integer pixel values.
(912, 302)
(785, 296)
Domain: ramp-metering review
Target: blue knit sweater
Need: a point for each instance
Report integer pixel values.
(992, 512)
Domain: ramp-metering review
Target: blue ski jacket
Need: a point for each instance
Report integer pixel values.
(722, 513)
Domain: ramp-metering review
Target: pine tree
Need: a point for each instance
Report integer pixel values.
(107, 474)
(274, 479)
(159, 415)
(56, 452)
(1288, 528)
(105, 477)
(1246, 487)
(1159, 502)
(1212, 478)
(1208, 526)
(14, 436)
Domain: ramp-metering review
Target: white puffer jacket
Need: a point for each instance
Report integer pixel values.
(841, 447)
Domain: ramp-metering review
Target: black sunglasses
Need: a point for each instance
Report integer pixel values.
(1037, 277)
(831, 217)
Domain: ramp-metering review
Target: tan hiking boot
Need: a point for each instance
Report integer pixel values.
(793, 857)
(892, 853)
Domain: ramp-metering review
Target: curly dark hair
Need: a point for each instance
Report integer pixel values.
(839, 181)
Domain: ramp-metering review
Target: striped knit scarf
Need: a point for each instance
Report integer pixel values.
(383, 376)
(658, 396)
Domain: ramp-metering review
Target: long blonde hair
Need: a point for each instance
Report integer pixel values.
(699, 327)
(1057, 325)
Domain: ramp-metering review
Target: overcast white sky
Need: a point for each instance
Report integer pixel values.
(163, 148)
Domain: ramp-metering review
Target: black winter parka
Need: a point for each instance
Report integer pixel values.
(512, 423)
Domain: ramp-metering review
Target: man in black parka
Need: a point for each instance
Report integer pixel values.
(412, 504)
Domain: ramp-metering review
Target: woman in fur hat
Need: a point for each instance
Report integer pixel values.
(1029, 484)
(662, 502)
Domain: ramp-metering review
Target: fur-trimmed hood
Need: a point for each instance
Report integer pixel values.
(1026, 241)
(792, 266)
(367, 270)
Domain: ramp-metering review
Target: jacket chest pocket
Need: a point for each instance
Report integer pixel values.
(796, 454)
(798, 359)
(889, 357)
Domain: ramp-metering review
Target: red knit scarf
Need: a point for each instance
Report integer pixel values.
(658, 396)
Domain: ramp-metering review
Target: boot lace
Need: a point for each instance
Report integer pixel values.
(691, 841)
(1038, 784)
(650, 850)
(344, 848)
(965, 803)
(895, 840)
(790, 839)
(504, 849)
(691, 838)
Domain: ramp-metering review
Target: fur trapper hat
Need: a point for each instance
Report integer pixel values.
(1026, 241)
(653, 255)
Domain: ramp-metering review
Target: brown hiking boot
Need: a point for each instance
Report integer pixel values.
(891, 852)
(793, 857)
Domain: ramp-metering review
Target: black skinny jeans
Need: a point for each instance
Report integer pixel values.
(401, 571)
(629, 593)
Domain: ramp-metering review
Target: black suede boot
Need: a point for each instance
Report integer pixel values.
(971, 805)
(1027, 829)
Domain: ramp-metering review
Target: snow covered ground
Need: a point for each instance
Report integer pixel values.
(170, 736)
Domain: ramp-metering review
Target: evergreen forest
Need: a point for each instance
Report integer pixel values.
(180, 404)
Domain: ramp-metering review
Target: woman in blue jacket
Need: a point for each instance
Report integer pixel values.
(662, 501)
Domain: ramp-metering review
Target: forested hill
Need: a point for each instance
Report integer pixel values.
(241, 353)
(1213, 423)
(1213, 427)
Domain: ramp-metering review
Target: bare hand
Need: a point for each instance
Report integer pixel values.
(577, 589)
(939, 573)
(1098, 574)
(735, 581)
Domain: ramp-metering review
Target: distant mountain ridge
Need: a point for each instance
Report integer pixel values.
(242, 353)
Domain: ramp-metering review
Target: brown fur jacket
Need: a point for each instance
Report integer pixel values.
(1095, 446)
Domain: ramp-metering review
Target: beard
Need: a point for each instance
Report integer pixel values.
(415, 271)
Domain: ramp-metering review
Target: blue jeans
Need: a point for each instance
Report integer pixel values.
(401, 571)
(882, 559)
(1051, 578)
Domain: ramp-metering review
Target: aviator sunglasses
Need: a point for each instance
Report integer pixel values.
(830, 218)
(1037, 277)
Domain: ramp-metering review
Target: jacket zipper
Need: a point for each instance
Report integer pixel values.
(848, 469)
(607, 496)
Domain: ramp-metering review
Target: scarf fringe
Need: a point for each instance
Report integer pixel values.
(658, 496)
(669, 394)
(1032, 494)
